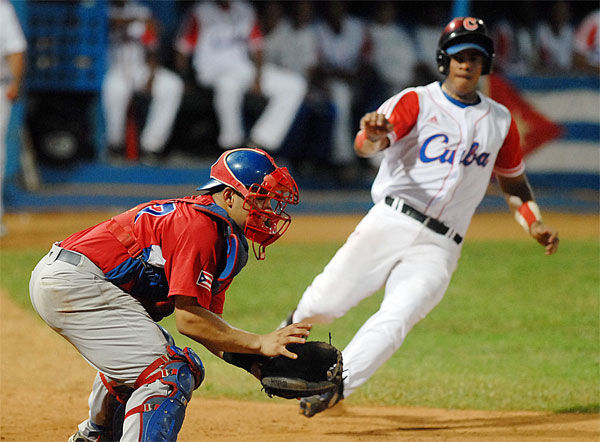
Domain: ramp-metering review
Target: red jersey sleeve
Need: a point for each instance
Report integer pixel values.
(586, 35)
(188, 35)
(402, 112)
(509, 161)
(255, 39)
(191, 263)
(217, 302)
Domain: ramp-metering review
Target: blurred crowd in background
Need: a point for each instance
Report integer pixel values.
(294, 77)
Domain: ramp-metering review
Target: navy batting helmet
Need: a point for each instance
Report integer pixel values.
(267, 190)
(465, 33)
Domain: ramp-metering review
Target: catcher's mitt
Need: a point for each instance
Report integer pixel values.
(317, 370)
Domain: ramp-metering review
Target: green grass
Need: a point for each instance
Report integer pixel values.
(516, 330)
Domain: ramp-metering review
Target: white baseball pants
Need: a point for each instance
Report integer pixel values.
(117, 90)
(5, 107)
(110, 329)
(343, 136)
(387, 249)
(285, 91)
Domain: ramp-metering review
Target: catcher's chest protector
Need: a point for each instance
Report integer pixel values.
(237, 246)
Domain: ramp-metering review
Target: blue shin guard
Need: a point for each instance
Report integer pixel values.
(162, 416)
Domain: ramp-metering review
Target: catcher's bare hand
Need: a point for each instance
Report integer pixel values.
(273, 344)
(375, 126)
(545, 235)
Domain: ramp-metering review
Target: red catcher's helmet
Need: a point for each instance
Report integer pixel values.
(464, 33)
(266, 188)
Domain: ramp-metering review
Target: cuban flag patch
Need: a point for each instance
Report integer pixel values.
(205, 280)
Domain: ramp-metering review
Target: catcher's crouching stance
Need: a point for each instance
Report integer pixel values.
(316, 371)
(104, 289)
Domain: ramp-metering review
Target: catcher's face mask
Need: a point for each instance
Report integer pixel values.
(266, 188)
(266, 203)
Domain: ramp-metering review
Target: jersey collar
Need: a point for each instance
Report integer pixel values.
(457, 102)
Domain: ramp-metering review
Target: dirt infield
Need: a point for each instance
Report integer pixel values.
(44, 383)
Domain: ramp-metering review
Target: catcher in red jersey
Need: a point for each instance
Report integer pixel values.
(440, 144)
(104, 288)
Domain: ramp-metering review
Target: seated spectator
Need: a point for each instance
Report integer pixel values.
(134, 67)
(13, 47)
(394, 56)
(291, 43)
(587, 44)
(514, 42)
(554, 40)
(224, 42)
(343, 46)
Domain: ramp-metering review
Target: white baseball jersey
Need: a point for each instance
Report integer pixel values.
(394, 53)
(128, 44)
(219, 38)
(12, 41)
(442, 153)
(292, 48)
(555, 50)
(587, 38)
(342, 51)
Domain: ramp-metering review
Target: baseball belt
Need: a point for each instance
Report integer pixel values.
(69, 257)
(429, 222)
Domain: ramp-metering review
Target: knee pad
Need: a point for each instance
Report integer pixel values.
(190, 370)
(162, 416)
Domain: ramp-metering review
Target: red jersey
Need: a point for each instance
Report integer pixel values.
(186, 246)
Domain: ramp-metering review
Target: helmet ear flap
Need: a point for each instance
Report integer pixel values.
(443, 61)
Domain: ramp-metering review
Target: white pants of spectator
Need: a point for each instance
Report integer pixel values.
(343, 132)
(166, 92)
(5, 106)
(285, 91)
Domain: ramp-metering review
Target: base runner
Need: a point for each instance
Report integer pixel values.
(440, 143)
